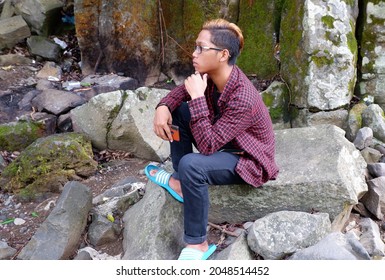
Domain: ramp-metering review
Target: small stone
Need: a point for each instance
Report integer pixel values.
(19, 221)
(23, 230)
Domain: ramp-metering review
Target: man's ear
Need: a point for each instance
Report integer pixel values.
(225, 55)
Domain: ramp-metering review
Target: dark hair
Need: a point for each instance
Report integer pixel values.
(226, 35)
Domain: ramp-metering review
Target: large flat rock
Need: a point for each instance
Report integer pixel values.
(320, 171)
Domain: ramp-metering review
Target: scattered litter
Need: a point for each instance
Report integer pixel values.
(53, 79)
(95, 255)
(7, 68)
(48, 206)
(34, 214)
(68, 19)
(61, 43)
(70, 85)
(369, 99)
(110, 217)
(7, 221)
(19, 221)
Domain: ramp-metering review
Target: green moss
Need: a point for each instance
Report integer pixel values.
(268, 99)
(369, 39)
(194, 17)
(258, 27)
(352, 42)
(328, 21)
(276, 113)
(294, 60)
(18, 135)
(369, 67)
(48, 163)
(322, 61)
(351, 86)
(350, 3)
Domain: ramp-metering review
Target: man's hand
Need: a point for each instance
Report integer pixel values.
(196, 85)
(162, 120)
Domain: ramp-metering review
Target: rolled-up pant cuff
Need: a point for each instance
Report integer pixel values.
(194, 240)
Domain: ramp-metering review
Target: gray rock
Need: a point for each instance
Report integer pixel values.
(83, 255)
(57, 238)
(107, 83)
(153, 227)
(41, 15)
(354, 120)
(3, 163)
(118, 198)
(238, 250)
(41, 46)
(119, 189)
(50, 70)
(102, 231)
(371, 238)
(14, 59)
(364, 138)
(280, 234)
(371, 155)
(6, 252)
(25, 103)
(132, 128)
(308, 180)
(307, 118)
(122, 121)
(94, 117)
(12, 31)
(373, 117)
(276, 98)
(7, 10)
(318, 64)
(335, 246)
(372, 44)
(56, 101)
(376, 169)
(374, 199)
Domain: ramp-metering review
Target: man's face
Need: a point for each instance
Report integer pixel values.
(206, 55)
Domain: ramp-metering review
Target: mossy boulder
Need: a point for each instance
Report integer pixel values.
(47, 164)
(16, 136)
(276, 99)
(355, 120)
(319, 53)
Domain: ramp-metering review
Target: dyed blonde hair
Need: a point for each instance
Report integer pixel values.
(226, 35)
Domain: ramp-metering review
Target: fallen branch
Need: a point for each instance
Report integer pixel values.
(223, 230)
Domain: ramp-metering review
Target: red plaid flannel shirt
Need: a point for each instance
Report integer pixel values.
(244, 121)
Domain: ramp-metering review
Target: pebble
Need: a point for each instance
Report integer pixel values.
(23, 230)
(19, 221)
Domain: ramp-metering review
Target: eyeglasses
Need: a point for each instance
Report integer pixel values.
(199, 49)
